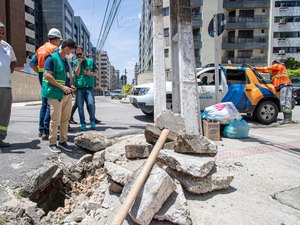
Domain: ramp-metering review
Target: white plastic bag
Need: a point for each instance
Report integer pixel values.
(224, 112)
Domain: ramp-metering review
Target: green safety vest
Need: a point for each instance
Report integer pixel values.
(83, 80)
(59, 74)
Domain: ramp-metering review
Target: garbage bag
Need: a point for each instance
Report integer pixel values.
(237, 129)
(224, 112)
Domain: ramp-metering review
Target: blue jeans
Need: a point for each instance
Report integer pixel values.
(86, 95)
(44, 120)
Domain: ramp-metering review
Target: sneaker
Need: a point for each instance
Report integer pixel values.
(4, 144)
(72, 121)
(45, 137)
(65, 146)
(97, 121)
(93, 126)
(53, 148)
(82, 127)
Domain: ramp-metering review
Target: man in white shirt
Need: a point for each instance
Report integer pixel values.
(7, 65)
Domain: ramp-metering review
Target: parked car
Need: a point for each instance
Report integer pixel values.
(116, 94)
(296, 89)
(243, 86)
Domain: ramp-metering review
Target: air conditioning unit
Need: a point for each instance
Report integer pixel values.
(281, 52)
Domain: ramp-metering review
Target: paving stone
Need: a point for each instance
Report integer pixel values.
(93, 141)
(212, 182)
(175, 209)
(138, 151)
(153, 194)
(195, 144)
(193, 165)
(117, 173)
(152, 134)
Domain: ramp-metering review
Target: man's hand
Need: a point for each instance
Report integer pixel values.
(66, 90)
(80, 60)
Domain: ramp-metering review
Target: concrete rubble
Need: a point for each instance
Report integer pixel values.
(93, 188)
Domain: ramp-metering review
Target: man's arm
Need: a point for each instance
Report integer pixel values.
(33, 63)
(78, 67)
(48, 76)
(13, 66)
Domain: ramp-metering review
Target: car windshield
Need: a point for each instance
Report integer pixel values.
(117, 91)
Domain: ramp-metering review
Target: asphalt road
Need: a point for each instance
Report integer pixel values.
(28, 151)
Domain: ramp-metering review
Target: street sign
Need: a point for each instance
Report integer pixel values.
(220, 26)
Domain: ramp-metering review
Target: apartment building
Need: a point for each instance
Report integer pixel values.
(286, 33)
(102, 82)
(82, 34)
(246, 36)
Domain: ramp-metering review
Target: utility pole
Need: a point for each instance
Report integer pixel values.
(187, 69)
(216, 58)
(159, 77)
(271, 29)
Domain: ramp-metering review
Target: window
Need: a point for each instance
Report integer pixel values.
(246, 13)
(236, 76)
(166, 32)
(166, 53)
(287, 3)
(166, 11)
(208, 78)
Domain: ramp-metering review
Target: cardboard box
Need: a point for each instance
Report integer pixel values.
(211, 130)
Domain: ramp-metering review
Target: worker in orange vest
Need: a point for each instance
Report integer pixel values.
(283, 84)
(37, 64)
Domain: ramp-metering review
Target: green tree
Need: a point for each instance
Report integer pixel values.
(291, 63)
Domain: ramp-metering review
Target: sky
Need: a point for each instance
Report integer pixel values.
(122, 42)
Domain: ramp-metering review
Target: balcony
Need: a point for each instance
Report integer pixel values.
(247, 60)
(240, 4)
(245, 43)
(256, 22)
(196, 20)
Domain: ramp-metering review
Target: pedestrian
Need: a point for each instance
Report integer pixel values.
(85, 72)
(8, 62)
(283, 85)
(57, 89)
(37, 64)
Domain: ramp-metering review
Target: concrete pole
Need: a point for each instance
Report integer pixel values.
(216, 58)
(159, 77)
(187, 69)
(271, 24)
(174, 56)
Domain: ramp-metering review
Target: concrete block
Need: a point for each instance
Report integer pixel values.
(140, 151)
(189, 164)
(170, 121)
(98, 159)
(92, 141)
(195, 144)
(117, 173)
(197, 185)
(175, 209)
(152, 134)
(153, 194)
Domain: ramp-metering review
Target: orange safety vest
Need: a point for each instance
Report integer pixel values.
(279, 74)
(42, 52)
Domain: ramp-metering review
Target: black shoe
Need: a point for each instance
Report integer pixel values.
(65, 146)
(45, 137)
(97, 121)
(53, 148)
(72, 121)
(40, 134)
(4, 144)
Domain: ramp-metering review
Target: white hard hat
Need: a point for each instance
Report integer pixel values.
(53, 32)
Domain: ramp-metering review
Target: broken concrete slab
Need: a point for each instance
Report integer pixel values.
(152, 134)
(195, 144)
(289, 197)
(40, 178)
(117, 173)
(153, 194)
(175, 209)
(195, 185)
(85, 159)
(98, 159)
(93, 141)
(170, 121)
(189, 164)
(138, 151)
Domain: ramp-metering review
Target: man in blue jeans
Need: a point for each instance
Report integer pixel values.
(85, 72)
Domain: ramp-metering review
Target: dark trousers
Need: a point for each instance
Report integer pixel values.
(44, 120)
(5, 110)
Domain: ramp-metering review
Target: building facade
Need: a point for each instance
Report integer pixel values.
(82, 34)
(102, 84)
(286, 33)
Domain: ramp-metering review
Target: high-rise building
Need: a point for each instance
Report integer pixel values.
(102, 84)
(82, 34)
(247, 31)
(286, 35)
(18, 17)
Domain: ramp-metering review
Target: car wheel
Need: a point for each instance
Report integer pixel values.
(147, 113)
(266, 112)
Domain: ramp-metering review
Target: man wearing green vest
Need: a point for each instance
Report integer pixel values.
(56, 87)
(85, 71)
